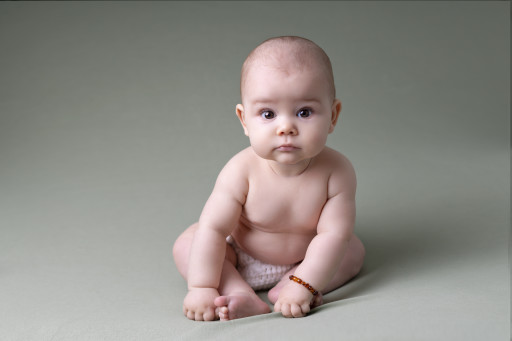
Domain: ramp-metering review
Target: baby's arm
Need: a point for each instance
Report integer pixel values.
(219, 217)
(326, 250)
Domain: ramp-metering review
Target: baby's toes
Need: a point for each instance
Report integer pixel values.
(224, 314)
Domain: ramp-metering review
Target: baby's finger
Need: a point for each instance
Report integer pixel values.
(209, 315)
(199, 316)
(190, 315)
(286, 311)
(277, 307)
(305, 308)
(296, 310)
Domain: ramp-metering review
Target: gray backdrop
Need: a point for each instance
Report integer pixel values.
(115, 119)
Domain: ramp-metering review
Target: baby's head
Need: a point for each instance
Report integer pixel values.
(288, 100)
(288, 54)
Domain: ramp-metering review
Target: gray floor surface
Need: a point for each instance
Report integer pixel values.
(115, 119)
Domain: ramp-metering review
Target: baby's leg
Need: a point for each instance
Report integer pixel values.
(350, 266)
(237, 297)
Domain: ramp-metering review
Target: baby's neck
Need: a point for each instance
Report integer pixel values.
(289, 170)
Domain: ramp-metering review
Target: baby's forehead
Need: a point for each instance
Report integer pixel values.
(263, 69)
(283, 56)
(283, 62)
(287, 56)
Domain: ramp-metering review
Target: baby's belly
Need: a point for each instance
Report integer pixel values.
(273, 247)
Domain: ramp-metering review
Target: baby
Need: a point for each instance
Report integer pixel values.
(281, 214)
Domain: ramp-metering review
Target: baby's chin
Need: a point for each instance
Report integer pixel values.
(292, 158)
(287, 161)
(291, 164)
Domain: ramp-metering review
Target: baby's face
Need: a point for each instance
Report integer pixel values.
(287, 115)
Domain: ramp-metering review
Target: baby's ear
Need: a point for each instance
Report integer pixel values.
(335, 114)
(241, 117)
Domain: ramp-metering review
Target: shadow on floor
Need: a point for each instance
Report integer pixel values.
(405, 249)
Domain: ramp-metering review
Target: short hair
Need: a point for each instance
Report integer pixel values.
(300, 52)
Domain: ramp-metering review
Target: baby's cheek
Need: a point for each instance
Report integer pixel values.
(318, 142)
(260, 146)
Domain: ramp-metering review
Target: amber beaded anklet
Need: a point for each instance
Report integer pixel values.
(300, 281)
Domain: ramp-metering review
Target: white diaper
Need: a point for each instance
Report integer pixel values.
(259, 275)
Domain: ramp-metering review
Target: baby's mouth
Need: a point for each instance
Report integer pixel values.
(287, 148)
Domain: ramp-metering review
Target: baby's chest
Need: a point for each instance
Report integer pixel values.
(285, 205)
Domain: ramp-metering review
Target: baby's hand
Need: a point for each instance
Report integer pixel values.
(294, 300)
(198, 304)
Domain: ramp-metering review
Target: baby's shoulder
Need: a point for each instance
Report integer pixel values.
(242, 161)
(334, 161)
(342, 176)
(238, 167)
(233, 178)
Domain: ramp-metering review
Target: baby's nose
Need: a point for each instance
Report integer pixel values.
(286, 127)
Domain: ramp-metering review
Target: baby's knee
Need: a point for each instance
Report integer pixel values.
(182, 244)
(177, 249)
(359, 254)
(362, 249)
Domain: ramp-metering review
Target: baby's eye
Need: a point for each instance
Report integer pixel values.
(304, 113)
(268, 115)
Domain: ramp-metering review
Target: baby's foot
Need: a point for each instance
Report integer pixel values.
(240, 305)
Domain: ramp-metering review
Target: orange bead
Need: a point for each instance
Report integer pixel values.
(305, 284)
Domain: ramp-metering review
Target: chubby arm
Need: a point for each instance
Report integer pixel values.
(219, 217)
(327, 249)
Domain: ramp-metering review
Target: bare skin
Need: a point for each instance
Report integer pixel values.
(234, 298)
(238, 300)
(287, 199)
